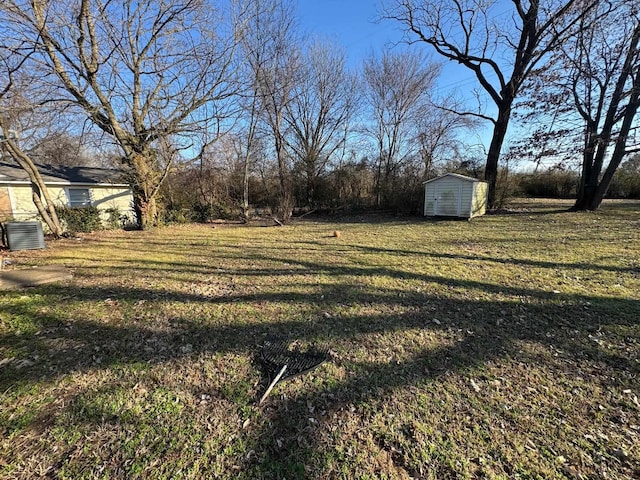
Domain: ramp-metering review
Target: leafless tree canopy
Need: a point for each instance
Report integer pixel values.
(238, 108)
(589, 93)
(270, 49)
(13, 103)
(319, 114)
(500, 44)
(144, 72)
(398, 94)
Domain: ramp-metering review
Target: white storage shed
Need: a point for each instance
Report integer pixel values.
(453, 195)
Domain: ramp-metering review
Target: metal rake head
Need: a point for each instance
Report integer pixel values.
(275, 355)
(282, 362)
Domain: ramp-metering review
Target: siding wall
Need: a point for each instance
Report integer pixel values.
(448, 196)
(103, 198)
(479, 206)
(467, 197)
(5, 204)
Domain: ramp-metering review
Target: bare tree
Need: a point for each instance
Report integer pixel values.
(502, 49)
(270, 49)
(253, 54)
(12, 104)
(318, 115)
(438, 135)
(397, 91)
(246, 143)
(142, 71)
(61, 148)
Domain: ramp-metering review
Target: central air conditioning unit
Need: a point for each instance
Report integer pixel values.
(24, 235)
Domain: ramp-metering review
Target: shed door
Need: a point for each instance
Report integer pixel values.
(448, 200)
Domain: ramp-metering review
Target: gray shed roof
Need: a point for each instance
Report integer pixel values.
(454, 175)
(62, 175)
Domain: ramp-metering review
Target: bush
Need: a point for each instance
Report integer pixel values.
(114, 218)
(176, 214)
(551, 184)
(81, 219)
(204, 212)
(625, 184)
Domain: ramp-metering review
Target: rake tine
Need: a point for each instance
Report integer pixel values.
(273, 384)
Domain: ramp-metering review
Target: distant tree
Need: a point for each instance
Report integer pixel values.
(352, 184)
(249, 150)
(270, 49)
(145, 72)
(554, 182)
(439, 134)
(626, 181)
(61, 148)
(501, 51)
(251, 59)
(631, 166)
(397, 95)
(318, 115)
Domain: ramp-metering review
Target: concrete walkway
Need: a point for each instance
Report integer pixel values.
(14, 279)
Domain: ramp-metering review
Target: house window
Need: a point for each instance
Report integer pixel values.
(79, 197)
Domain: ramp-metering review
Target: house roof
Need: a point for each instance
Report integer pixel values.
(62, 175)
(454, 175)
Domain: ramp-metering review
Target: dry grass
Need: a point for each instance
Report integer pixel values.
(506, 347)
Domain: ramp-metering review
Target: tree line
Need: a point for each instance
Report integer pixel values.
(219, 107)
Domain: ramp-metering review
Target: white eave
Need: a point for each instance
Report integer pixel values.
(454, 175)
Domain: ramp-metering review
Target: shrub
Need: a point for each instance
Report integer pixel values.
(206, 212)
(176, 214)
(551, 184)
(114, 218)
(625, 184)
(80, 219)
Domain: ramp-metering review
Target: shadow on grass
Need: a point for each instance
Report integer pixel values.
(286, 442)
(508, 261)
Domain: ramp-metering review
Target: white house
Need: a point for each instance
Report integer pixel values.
(67, 186)
(453, 195)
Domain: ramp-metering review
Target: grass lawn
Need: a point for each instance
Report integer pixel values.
(505, 347)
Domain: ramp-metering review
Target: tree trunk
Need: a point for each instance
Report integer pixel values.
(493, 156)
(310, 164)
(245, 191)
(146, 210)
(620, 148)
(46, 209)
(253, 121)
(284, 209)
(146, 185)
(592, 193)
(378, 182)
(585, 187)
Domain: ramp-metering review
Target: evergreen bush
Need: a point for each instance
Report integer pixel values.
(80, 219)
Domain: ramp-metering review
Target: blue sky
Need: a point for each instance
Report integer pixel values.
(353, 25)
